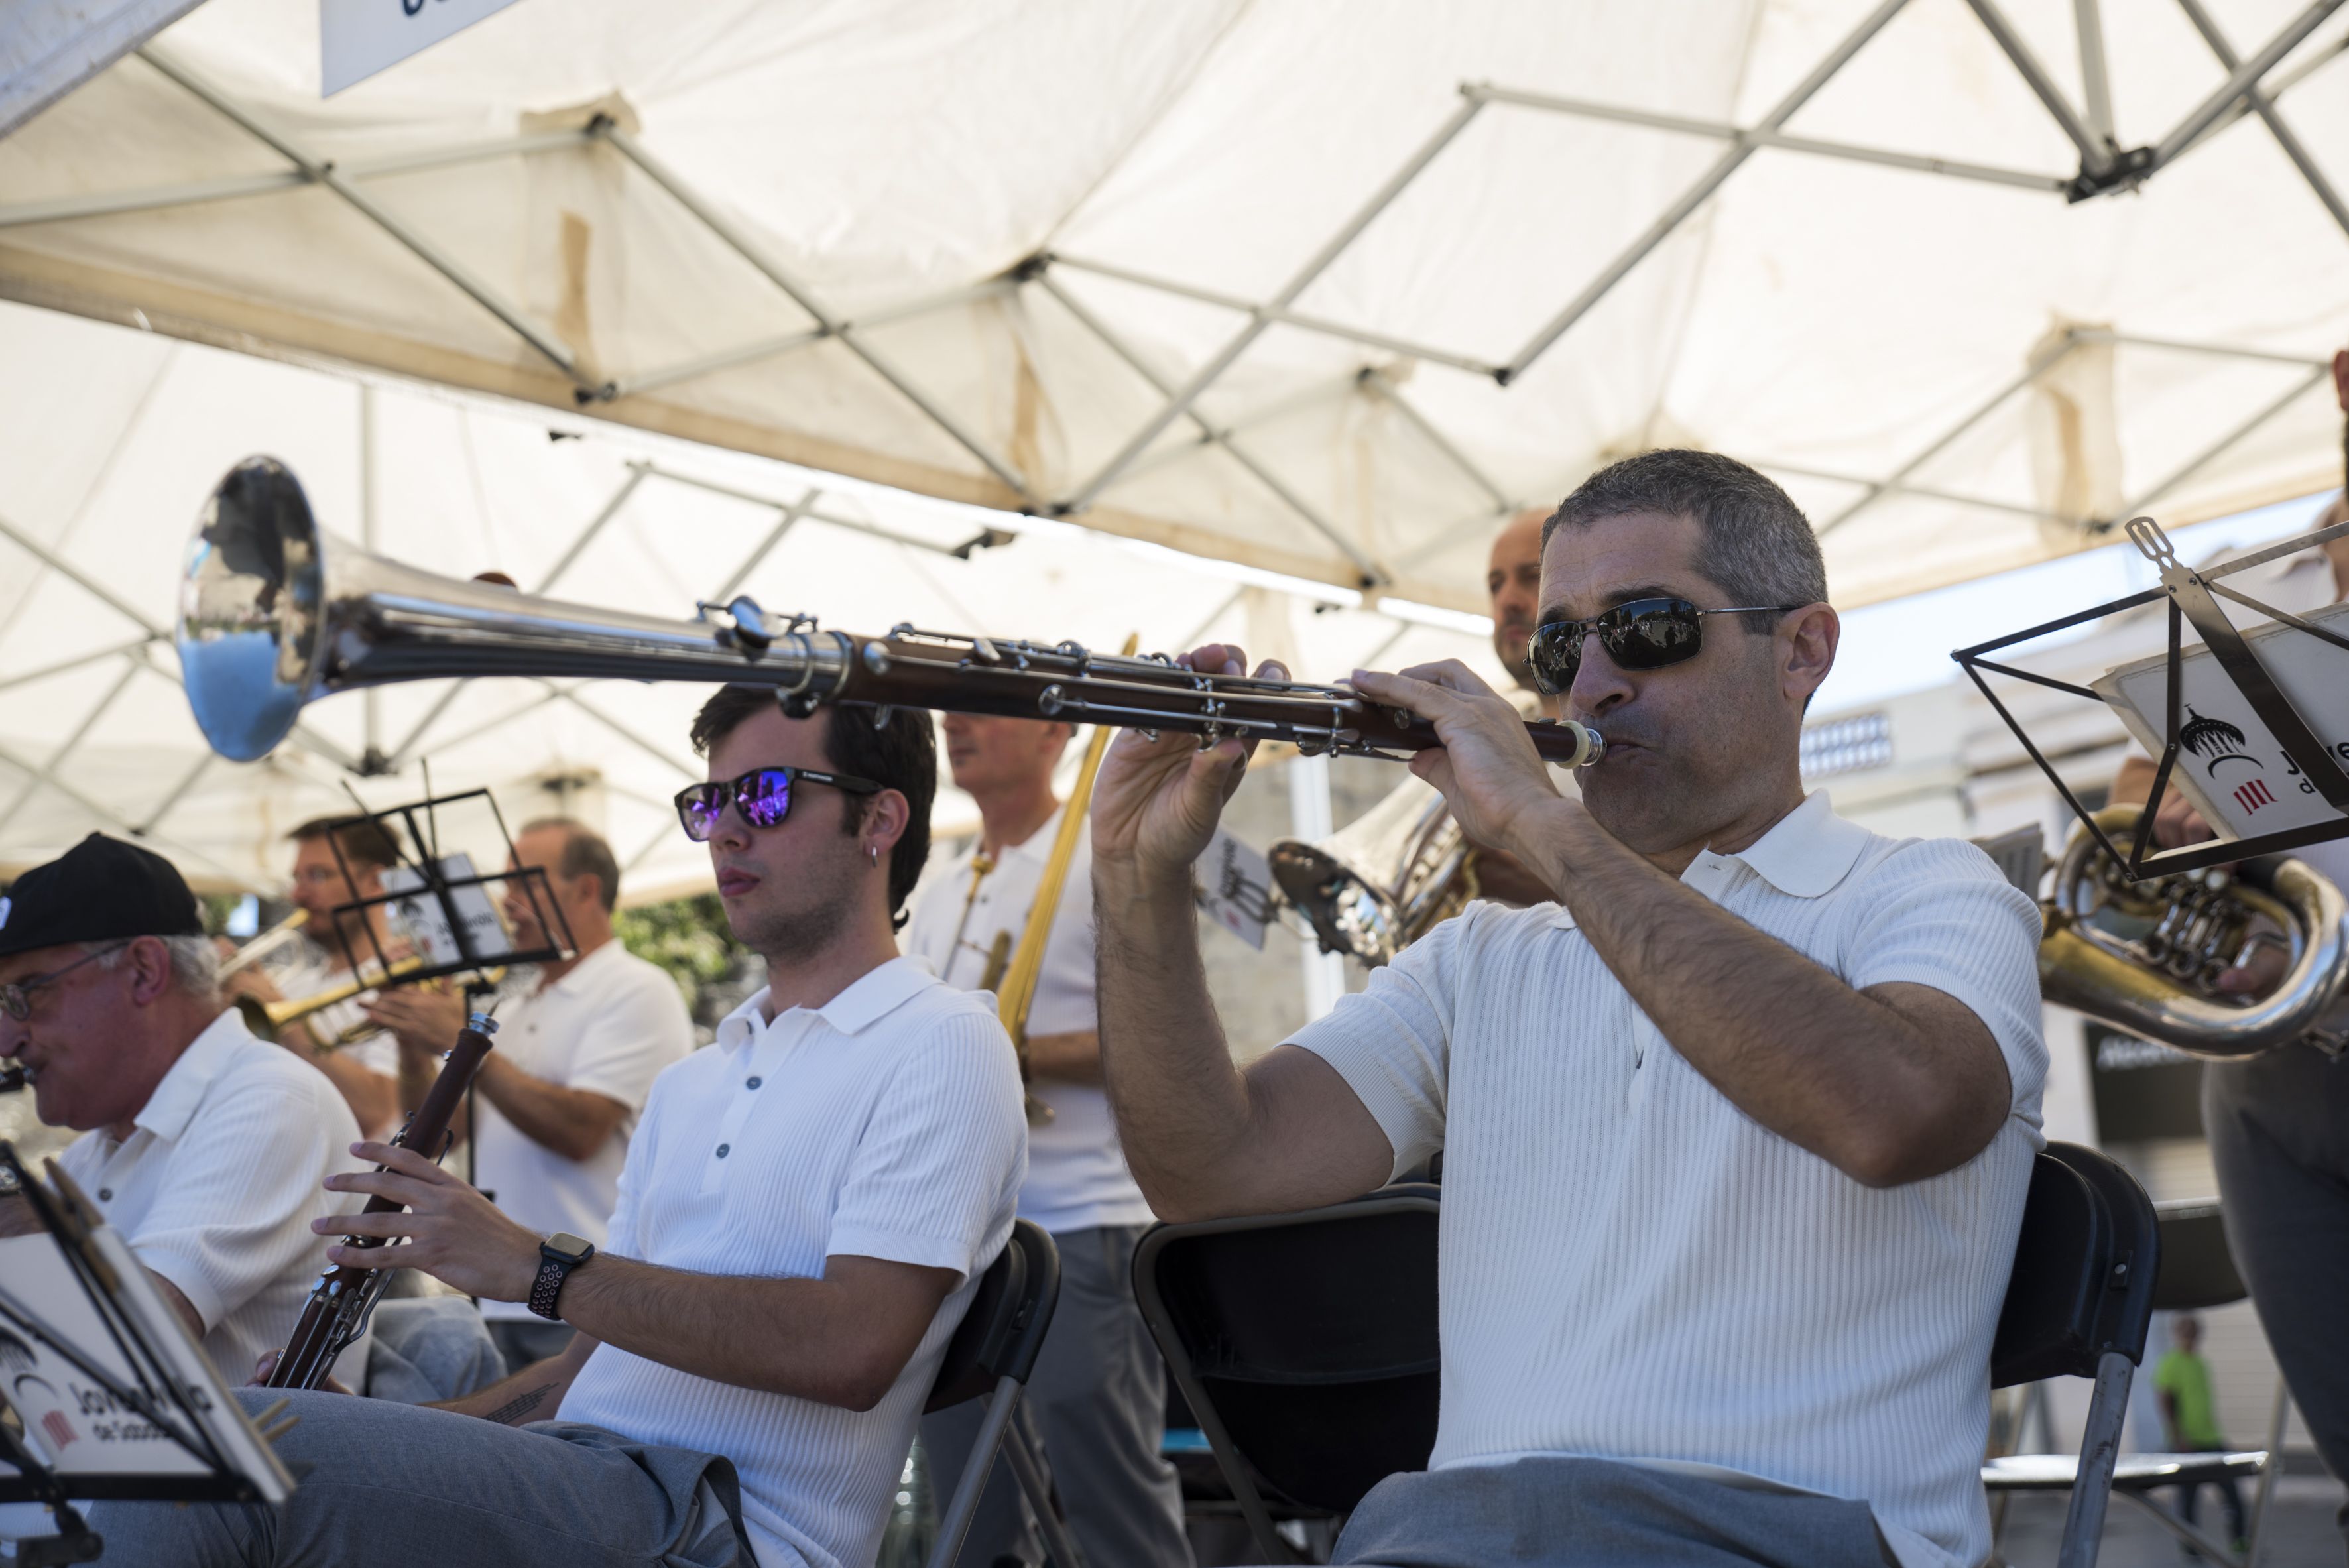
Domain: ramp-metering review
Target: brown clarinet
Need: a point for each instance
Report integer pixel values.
(344, 1297)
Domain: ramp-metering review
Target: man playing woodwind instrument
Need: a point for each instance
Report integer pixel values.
(1737, 1132)
(206, 1147)
(1098, 1393)
(805, 1210)
(360, 1060)
(575, 1057)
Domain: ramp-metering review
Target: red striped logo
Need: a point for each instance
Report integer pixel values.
(2253, 795)
(60, 1431)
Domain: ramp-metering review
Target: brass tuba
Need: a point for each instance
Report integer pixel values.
(1386, 880)
(2146, 957)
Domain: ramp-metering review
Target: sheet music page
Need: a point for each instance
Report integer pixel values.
(425, 924)
(77, 1426)
(2229, 764)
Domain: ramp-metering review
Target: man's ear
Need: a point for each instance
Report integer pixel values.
(886, 817)
(148, 960)
(1806, 644)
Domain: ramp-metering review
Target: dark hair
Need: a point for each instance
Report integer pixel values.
(894, 747)
(1757, 547)
(368, 843)
(585, 853)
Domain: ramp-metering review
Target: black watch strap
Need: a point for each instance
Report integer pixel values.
(554, 1266)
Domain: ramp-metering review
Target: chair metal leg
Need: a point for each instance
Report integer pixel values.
(2100, 1450)
(2191, 1535)
(2268, 1475)
(1059, 1546)
(955, 1523)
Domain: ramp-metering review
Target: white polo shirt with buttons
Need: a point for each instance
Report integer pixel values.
(885, 1124)
(1632, 1268)
(609, 1026)
(217, 1184)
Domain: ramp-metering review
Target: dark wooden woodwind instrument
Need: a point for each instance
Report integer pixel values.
(344, 1297)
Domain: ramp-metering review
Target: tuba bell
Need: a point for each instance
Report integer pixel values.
(1385, 881)
(2146, 957)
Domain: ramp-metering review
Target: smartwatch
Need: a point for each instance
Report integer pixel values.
(559, 1253)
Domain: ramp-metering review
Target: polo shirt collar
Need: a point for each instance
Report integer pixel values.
(871, 997)
(173, 1104)
(1036, 846)
(1805, 853)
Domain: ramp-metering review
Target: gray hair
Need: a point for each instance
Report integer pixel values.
(585, 852)
(195, 963)
(1757, 547)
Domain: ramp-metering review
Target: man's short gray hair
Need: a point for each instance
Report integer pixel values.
(195, 963)
(1756, 545)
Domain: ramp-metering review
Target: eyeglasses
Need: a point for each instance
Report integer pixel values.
(16, 996)
(1643, 635)
(763, 796)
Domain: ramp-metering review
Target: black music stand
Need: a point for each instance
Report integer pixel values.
(2193, 597)
(128, 1363)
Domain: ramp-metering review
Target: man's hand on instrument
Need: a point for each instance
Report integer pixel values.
(425, 1018)
(251, 981)
(1487, 767)
(453, 1233)
(1156, 801)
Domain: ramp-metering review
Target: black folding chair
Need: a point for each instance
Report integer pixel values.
(989, 1358)
(1305, 1346)
(2198, 1271)
(2077, 1305)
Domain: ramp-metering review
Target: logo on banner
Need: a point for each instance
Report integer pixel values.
(2253, 795)
(2214, 740)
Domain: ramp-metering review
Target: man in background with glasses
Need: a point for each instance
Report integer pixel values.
(206, 1147)
(807, 1208)
(1737, 1131)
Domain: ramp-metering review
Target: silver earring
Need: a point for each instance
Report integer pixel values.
(875, 852)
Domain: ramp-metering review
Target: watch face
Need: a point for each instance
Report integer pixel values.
(563, 1244)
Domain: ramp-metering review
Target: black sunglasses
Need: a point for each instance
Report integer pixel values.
(763, 796)
(1643, 635)
(16, 997)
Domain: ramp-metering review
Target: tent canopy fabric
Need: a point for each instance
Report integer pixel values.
(1325, 291)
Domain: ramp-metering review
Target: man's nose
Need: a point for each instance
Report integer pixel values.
(1599, 683)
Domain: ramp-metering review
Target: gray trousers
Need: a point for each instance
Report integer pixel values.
(1097, 1403)
(393, 1486)
(2279, 1126)
(1597, 1513)
(429, 1348)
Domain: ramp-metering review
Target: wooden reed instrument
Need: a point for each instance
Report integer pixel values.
(345, 1296)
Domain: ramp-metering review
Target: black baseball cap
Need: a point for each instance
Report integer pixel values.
(101, 890)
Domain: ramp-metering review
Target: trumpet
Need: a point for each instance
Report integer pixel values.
(265, 945)
(274, 614)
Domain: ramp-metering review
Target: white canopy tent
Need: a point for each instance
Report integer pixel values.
(1304, 290)
(1323, 290)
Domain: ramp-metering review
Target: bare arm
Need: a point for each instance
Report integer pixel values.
(574, 1123)
(532, 1394)
(1890, 1085)
(839, 1340)
(1203, 1138)
(1071, 1058)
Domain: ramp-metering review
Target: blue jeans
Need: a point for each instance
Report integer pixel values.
(385, 1485)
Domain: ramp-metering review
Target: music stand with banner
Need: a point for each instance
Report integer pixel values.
(2263, 715)
(115, 1400)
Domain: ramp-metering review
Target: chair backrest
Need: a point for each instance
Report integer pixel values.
(2084, 1269)
(1003, 1327)
(1307, 1342)
(2198, 1270)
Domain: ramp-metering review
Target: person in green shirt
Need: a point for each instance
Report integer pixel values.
(2190, 1412)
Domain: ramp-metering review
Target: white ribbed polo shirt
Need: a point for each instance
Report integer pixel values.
(1631, 1268)
(884, 1124)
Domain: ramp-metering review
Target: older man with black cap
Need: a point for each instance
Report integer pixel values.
(205, 1146)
